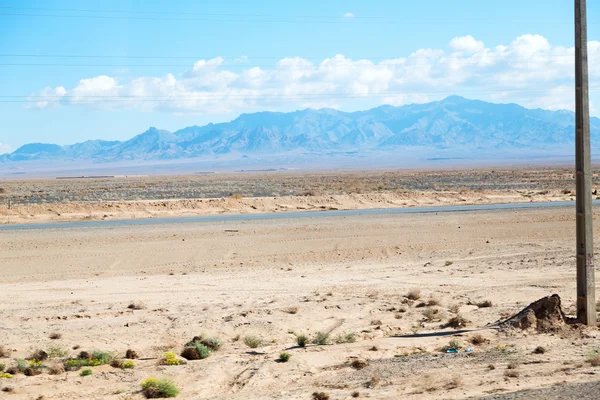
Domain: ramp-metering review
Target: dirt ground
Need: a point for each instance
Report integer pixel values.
(349, 277)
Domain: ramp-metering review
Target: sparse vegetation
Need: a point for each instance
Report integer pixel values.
(128, 365)
(86, 359)
(2, 367)
(291, 310)
(302, 340)
(320, 396)
(355, 394)
(154, 388)
(284, 357)
(539, 350)
(454, 344)
(347, 338)
(86, 372)
(6, 376)
(55, 335)
(4, 352)
(57, 351)
(414, 294)
(253, 341)
(321, 338)
(512, 365)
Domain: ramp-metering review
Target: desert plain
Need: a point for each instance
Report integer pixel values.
(381, 298)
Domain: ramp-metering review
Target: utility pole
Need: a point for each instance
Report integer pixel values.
(586, 288)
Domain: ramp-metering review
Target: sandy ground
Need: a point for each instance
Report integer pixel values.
(272, 278)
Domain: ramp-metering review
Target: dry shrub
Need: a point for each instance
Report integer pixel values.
(320, 396)
(455, 382)
(491, 367)
(291, 310)
(485, 304)
(429, 383)
(477, 339)
(373, 382)
(434, 301)
(55, 335)
(116, 363)
(454, 308)
(511, 373)
(458, 321)
(539, 350)
(595, 362)
(7, 389)
(431, 314)
(236, 196)
(414, 294)
(355, 394)
(4, 352)
(39, 355)
(359, 364)
(56, 369)
(137, 305)
(512, 365)
(131, 354)
(32, 371)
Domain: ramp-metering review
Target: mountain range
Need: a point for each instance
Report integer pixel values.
(452, 123)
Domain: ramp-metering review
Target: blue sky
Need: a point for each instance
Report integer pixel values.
(172, 64)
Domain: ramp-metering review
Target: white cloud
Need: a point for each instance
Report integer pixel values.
(5, 149)
(348, 15)
(241, 59)
(466, 44)
(528, 70)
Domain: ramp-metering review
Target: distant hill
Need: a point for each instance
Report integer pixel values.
(453, 123)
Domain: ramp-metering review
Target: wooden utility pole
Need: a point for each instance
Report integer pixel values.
(586, 288)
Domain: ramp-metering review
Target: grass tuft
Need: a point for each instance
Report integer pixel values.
(456, 322)
(321, 339)
(284, 357)
(253, 341)
(320, 396)
(154, 388)
(86, 372)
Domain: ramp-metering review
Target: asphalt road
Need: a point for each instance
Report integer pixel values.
(284, 215)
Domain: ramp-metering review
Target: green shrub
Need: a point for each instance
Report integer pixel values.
(454, 344)
(22, 365)
(2, 367)
(197, 351)
(302, 340)
(102, 357)
(5, 376)
(86, 372)
(155, 389)
(128, 365)
(284, 357)
(253, 341)
(321, 338)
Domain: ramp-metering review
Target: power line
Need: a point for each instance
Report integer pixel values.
(341, 20)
